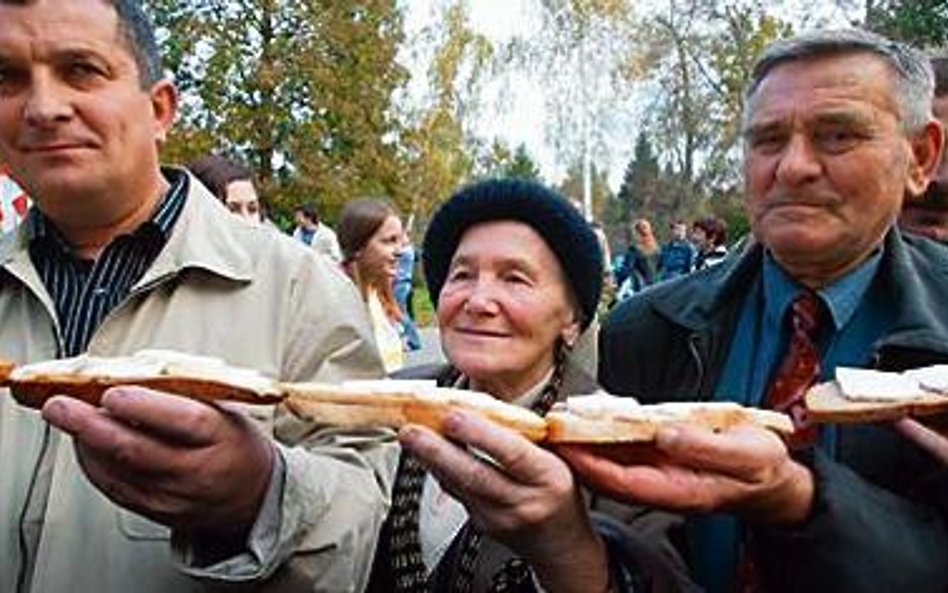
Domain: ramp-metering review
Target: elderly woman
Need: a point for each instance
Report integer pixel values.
(515, 274)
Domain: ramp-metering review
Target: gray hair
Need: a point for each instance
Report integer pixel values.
(914, 79)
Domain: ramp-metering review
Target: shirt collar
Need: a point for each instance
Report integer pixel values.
(841, 298)
(39, 228)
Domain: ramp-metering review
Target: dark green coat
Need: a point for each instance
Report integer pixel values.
(881, 512)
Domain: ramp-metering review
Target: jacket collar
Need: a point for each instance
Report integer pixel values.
(680, 302)
(912, 272)
(206, 237)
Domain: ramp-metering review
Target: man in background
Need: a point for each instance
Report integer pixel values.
(677, 256)
(928, 215)
(311, 231)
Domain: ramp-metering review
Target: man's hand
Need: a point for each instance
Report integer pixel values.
(189, 465)
(745, 470)
(927, 438)
(527, 498)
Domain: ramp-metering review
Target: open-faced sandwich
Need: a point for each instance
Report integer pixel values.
(866, 395)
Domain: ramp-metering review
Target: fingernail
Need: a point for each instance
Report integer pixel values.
(56, 412)
(453, 423)
(408, 436)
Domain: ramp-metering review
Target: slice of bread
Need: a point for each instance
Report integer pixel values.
(604, 418)
(6, 367)
(88, 377)
(396, 403)
(825, 402)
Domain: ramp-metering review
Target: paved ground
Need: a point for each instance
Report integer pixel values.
(430, 348)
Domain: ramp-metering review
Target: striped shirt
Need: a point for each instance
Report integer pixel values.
(86, 291)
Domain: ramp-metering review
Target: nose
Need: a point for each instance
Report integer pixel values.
(481, 300)
(47, 103)
(798, 163)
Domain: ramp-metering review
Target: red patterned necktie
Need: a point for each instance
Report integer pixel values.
(799, 369)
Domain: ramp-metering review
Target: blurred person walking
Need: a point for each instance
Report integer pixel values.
(311, 230)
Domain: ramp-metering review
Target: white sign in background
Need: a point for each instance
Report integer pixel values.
(13, 203)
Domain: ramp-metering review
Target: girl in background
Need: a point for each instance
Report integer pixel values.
(370, 236)
(232, 183)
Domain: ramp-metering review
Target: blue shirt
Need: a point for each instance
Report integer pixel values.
(404, 265)
(854, 319)
(677, 258)
(306, 235)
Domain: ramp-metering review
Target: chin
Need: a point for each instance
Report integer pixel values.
(474, 364)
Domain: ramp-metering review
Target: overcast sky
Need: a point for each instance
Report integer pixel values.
(524, 118)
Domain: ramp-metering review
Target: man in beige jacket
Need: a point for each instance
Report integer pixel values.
(152, 492)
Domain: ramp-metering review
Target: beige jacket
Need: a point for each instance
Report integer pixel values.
(221, 288)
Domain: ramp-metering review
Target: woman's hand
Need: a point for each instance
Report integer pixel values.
(519, 494)
(746, 470)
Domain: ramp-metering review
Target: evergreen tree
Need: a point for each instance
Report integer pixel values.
(923, 23)
(522, 165)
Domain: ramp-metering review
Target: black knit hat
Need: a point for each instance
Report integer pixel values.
(565, 231)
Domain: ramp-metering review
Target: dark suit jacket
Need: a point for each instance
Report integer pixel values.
(881, 511)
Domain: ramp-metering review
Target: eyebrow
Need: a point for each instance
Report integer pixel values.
(845, 118)
(506, 261)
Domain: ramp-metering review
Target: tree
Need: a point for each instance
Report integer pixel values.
(640, 190)
(697, 56)
(493, 161)
(923, 23)
(437, 144)
(575, 54)
(301, 90)
(572, 188)
(522, 165)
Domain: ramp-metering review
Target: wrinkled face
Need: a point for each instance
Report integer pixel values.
(243, 201)
(826, 163)
(75, 124)
(378, 260)
(503, 307)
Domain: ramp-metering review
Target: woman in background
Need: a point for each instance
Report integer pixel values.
(370, 235)
(709, 234)
(232, 183)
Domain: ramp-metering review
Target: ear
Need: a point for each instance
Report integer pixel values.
(164, 104)
(570, 333)
(926, 146)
